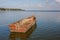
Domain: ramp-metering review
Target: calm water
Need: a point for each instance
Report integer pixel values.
(48, 25)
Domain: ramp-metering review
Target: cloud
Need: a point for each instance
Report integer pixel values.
(20, 4)
(32, 6)
(41, 4)
(51, 5)
(47, 5)
(57, 0)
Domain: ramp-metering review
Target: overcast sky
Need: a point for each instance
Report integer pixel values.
(31, 4)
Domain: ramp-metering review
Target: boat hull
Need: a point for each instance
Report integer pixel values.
(22, 36)
(23, 25)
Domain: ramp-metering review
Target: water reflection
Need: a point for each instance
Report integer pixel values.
(22, 36)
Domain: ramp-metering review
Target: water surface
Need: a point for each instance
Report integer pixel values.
(48, 24)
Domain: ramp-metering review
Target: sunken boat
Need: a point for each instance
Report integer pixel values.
(22, 25)
(22, 36)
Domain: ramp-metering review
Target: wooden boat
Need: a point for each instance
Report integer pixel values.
(22, 36)
(22, 25)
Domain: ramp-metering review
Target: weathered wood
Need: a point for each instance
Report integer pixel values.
(22, 25)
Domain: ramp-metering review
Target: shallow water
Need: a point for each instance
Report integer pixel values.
(48, 24)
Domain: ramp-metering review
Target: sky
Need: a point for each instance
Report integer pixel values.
(31, 4)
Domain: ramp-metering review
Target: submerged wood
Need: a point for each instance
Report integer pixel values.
(22, 25)
(22, 36)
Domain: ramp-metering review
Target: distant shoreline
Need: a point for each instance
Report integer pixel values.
(18, 9)
(11, 9)
(43, 10)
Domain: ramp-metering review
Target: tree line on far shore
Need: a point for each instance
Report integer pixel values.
(3, 9)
